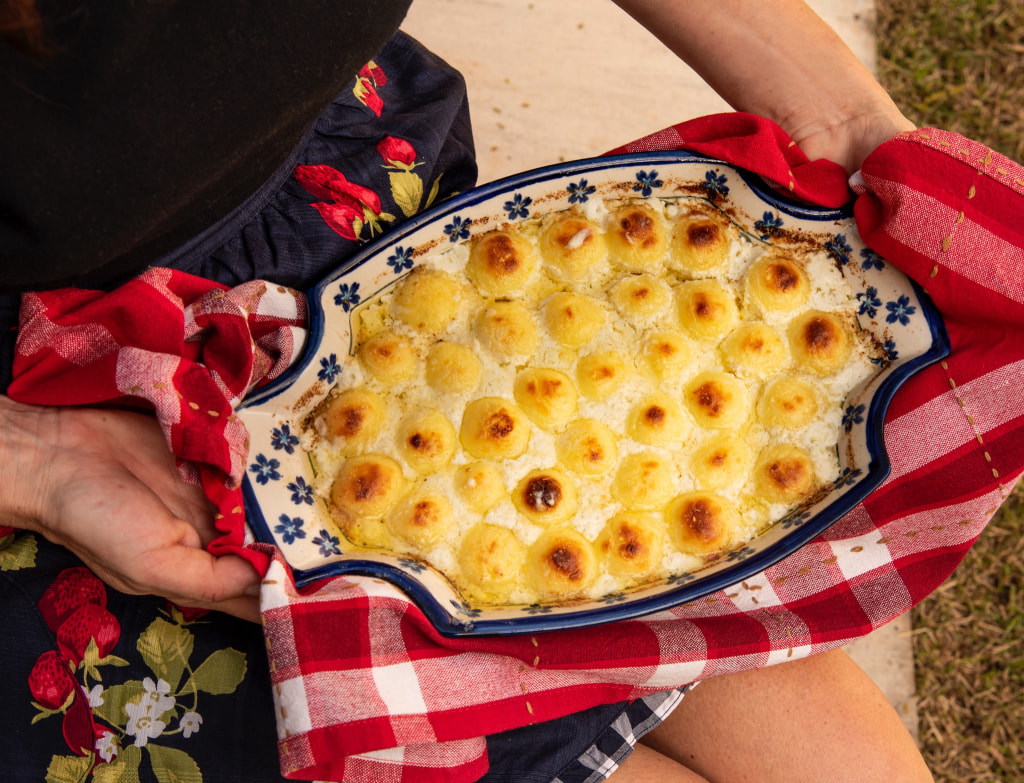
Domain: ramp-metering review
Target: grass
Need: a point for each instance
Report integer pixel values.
(959, 65)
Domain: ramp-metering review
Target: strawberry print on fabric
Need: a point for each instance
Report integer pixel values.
(110, 728)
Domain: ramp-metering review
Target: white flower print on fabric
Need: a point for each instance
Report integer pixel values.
(106, 746)
(190, 723)
(143, 722)
(95, 696)
(156, 695)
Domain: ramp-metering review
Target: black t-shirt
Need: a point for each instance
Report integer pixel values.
(155, 118)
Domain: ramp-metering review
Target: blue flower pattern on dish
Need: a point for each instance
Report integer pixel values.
(537, 609)
(265, 470)
(415, 566)
(518, 206)
(854, 414)
(869, 302)
(871, 259)
(580, 192)
(889, 353)
(794, 520)
(848, 476)
(714, 185)
(401, 259)
(458, 229)
(900, 311)
(329, 545)
(348, 296)
(839, 249)
(301, 492)
(283, 439)
(738, 555)
(329, 368)
(464, 608)
(290, 528)
(768, 225)
(646, 182)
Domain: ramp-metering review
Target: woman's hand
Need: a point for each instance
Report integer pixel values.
(852, 140)
(780, 60)
(104, 484)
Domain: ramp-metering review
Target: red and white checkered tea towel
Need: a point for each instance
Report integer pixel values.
(188, 348)
(367, 690)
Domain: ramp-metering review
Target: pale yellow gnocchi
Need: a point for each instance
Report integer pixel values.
(426, 441)
(707, 309)
(427, 299)
(572, 319)
(501, 262)
(602, 373)
(700, 523)
(632, 544)
(571, 247)
(452, 368)
(819, 342)
(490, 558)
(545, 496)
(494, 428)
(637, 238)
(352, 418)
(658, 420)
(422, 518)
(700, 245)
(561, 563)
(479, 485)
(787, 401)
(717, 400)
(587, 447)
(389, 357)
(507, 330)
(777, 284)
(367, 486)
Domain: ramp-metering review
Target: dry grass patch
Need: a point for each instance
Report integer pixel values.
(968, 644)
(957, 65)
(960, 66)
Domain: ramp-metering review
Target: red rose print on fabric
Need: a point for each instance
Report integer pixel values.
(369, 78)
(399, 158)
(348, 208)
(396, 152)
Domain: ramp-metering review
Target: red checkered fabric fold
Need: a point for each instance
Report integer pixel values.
(188, 348)
(358, 670)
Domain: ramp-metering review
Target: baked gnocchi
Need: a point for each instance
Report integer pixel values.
(588, 401)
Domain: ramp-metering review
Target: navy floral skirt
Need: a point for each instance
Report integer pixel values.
(104, 686)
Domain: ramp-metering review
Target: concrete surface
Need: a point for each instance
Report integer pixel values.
(555, 80)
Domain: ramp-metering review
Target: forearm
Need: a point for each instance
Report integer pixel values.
(774, 58)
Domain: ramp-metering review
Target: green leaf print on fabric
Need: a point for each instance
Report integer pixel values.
(17, 551)
(111, 726)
